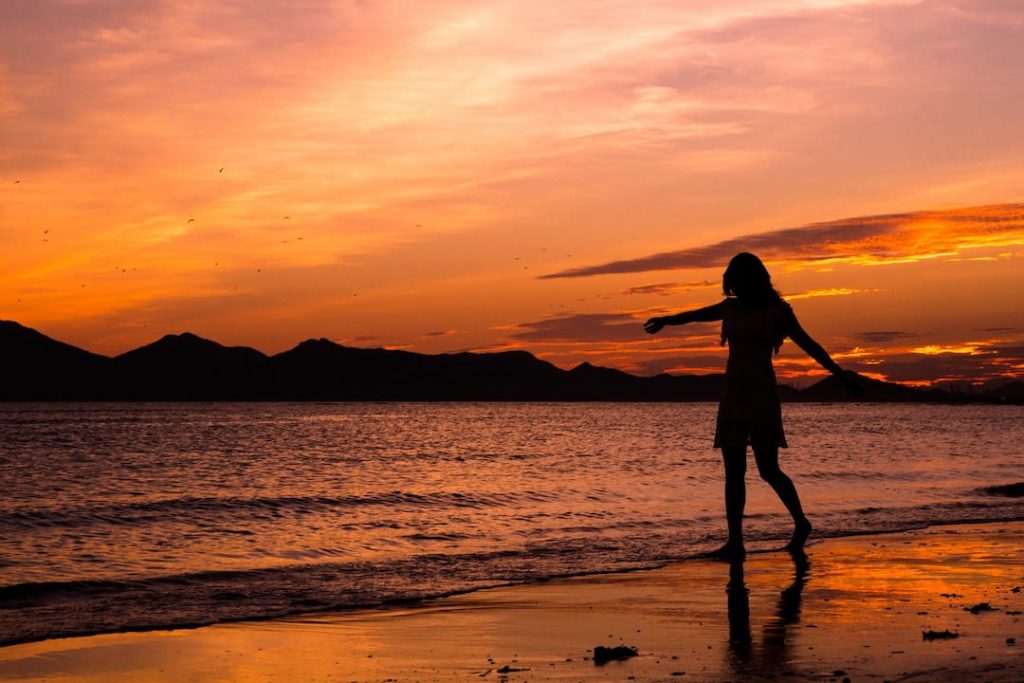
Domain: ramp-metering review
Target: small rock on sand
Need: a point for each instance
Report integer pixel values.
(980, 607)
(603, 655)
(509, 669)
(939, 635)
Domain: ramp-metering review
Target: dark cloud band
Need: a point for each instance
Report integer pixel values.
(882, 237)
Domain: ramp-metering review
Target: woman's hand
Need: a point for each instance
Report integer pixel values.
(654, 325)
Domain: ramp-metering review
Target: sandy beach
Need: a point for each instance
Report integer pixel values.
(858, 609)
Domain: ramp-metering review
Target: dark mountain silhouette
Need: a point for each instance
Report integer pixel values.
(831, 389)
(1011, 392)
(322, 370)
(35, 367)
(594, 383)
(186, 367)
(602, 384)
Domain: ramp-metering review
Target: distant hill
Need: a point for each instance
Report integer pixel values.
(185, 367)
(322, 370)
(831, 389)
(34, 367)
(1011, 392)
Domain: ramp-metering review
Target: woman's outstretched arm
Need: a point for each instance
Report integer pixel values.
(818, 353)
(706, 314)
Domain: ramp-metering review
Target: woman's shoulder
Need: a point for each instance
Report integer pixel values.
(779, 305)
(784, 314)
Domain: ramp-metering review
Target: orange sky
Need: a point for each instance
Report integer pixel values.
(444, 175)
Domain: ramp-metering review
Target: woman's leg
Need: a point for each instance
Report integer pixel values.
(767, 459)
(735, 458)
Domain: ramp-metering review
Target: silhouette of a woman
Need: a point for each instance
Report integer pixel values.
(755, 321)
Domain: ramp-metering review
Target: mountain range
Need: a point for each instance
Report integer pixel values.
(185, 367)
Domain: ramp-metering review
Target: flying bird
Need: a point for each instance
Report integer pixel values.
(220, 170)
(287, 218)
(16, 182)
(191, 220)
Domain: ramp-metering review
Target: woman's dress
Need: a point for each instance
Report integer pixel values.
(749, 411)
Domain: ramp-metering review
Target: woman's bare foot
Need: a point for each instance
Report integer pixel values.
(729, 552)
(800, 533)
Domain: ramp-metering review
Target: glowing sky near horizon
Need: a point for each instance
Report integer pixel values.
(445, 176)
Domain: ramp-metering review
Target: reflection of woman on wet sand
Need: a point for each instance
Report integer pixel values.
(755, 321)
(774, 656)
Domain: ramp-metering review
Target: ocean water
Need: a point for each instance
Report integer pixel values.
(133, 516)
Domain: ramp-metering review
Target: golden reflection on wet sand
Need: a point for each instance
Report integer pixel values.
(857, 605)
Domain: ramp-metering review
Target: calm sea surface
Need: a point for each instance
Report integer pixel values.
(118, 516)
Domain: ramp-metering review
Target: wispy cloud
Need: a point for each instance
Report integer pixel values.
(589, 327)
(885, 335)
(865, 240)
(831, 291)
(668, 288)
(967, 362)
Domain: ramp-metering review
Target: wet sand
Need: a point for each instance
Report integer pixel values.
(857, 609)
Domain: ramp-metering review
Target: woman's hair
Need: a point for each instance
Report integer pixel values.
(747, 278)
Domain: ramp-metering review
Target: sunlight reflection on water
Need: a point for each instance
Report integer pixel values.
(142, 491)
(119, 490)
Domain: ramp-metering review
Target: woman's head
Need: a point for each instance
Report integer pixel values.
(747, 278)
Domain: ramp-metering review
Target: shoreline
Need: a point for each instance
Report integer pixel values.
(860, 605)
(754, 547)
(947, 401)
